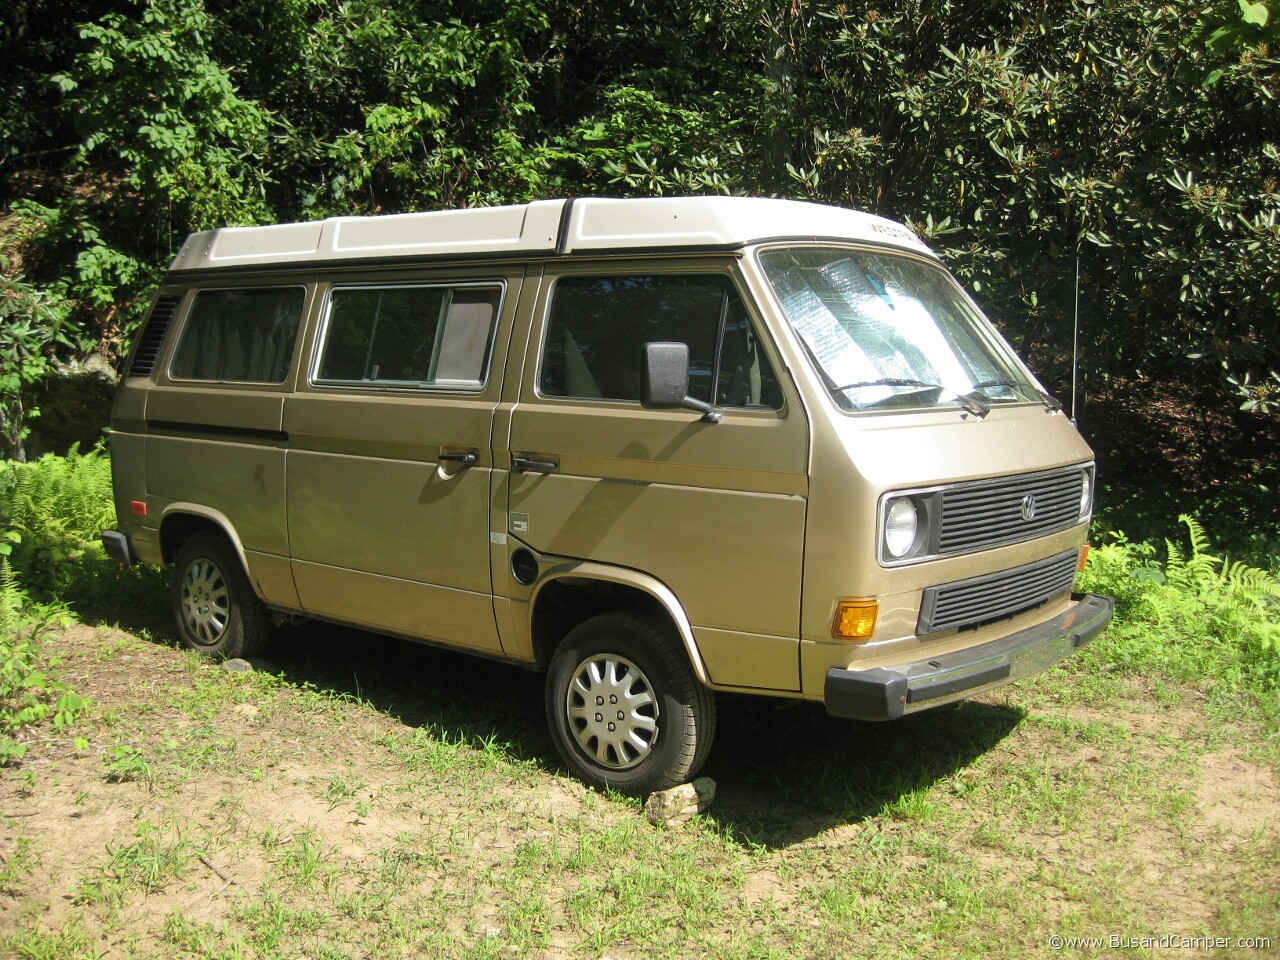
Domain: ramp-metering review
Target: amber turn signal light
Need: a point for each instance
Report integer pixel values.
(855, 619)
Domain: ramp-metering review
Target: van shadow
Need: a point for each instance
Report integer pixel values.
(469, 699)
(785, 771)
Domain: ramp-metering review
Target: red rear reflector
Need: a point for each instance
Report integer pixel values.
(138, 507)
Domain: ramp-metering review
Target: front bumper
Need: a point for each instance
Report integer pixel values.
(886, 693)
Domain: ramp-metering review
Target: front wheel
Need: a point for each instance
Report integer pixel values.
(216, 610)
(625, 710)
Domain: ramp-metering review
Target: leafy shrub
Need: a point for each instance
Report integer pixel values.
(1194, 615)
(31, 321)
(28, 694)
(56, 508)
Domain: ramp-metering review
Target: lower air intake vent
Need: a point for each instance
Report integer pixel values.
(993, 596)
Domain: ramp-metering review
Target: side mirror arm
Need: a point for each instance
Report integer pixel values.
(708, 412)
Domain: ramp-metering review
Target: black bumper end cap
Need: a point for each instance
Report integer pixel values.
(117, 547)
(874, 694)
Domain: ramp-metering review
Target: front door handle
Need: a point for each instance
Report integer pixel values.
(466, 459)
(523, 465)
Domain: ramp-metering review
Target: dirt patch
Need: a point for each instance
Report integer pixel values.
(1238, 799)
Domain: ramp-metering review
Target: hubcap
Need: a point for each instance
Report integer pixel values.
(612, 711)
(206, 602)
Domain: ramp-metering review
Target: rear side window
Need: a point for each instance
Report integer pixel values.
(244, 335)
(409, 335)
(598, 327)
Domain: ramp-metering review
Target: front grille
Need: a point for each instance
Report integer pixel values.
(989, 513)
(152, 336)
(993, 596)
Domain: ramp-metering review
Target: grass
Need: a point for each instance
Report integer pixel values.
(304, 821)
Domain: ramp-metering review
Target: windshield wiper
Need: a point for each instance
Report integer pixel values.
(967, 400)
(1050, 403)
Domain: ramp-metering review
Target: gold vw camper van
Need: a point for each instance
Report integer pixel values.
(655, 448)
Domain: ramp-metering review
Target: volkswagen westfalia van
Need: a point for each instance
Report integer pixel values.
(655, 448)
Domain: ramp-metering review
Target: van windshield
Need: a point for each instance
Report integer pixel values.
(889, 331)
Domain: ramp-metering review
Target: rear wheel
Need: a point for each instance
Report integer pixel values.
(216, 610)
(624, 707)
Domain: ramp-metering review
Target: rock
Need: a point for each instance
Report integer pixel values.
(678, 804)
(75, 407)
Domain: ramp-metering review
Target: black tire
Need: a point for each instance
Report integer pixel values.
(664, 737)
(214, 606)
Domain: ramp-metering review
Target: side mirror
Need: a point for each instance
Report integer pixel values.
(664, 380)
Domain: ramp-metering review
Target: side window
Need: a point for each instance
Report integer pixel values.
(409, 335)
(598, 326)
(241, 336)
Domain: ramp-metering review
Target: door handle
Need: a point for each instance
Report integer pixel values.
(523, 465)
(466, 459)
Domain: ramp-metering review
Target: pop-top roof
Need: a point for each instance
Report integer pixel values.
(540, 229)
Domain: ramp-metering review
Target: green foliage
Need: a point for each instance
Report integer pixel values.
(29, 693)
(1018, 137)
(101, 282)
(153, 105)
(1193, 616)
(1040, 137)
(31, 322)
(125, 764)
(1238, 23)
(58, 506)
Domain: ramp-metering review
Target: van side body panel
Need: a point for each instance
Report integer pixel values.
(388, 487)
(716, 512)
(219, 447)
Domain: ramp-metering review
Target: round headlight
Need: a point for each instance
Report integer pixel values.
(1086, 494)
(900, 524)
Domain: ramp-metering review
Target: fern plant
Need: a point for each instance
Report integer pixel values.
(58, 506)
(29, 693)
(1196, 615)
(1241, 603)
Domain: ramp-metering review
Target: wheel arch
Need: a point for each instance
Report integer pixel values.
(569, 593)
(181, 521)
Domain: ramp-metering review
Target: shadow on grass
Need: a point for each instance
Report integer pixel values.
(468, 698)
(785, 771)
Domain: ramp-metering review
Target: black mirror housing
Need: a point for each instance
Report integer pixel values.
(664, 375)
(664, 379)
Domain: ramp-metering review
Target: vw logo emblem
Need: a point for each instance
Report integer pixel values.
(1029, 507)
